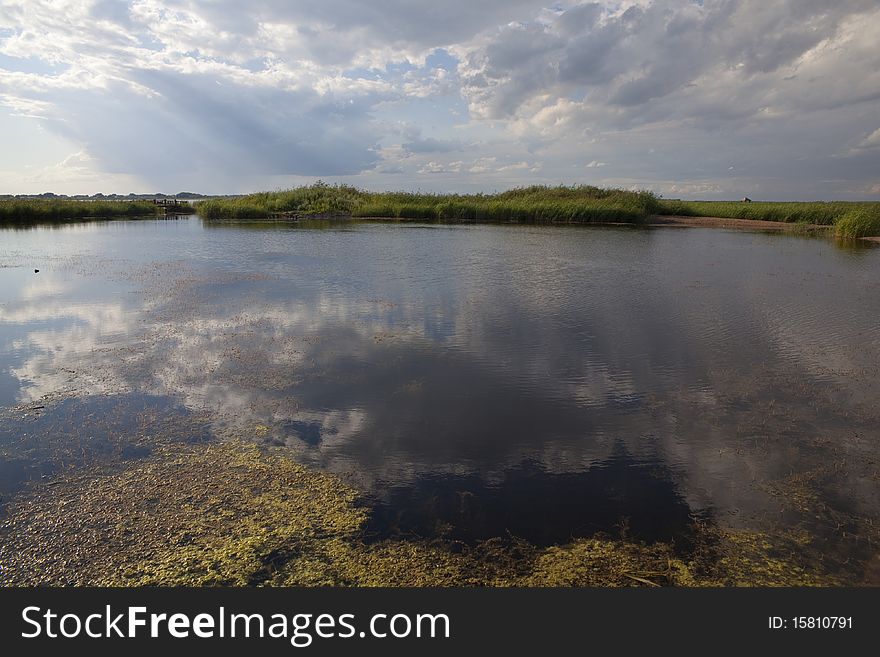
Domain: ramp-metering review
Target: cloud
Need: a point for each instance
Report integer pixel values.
(227, 96)
(439, 167)
(339, 30)
(618, 59)
(872, 141)
(431, 145)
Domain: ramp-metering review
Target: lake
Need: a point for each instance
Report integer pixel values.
(472, 381)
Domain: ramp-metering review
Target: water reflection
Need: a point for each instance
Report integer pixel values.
(559, 380)
(545, 508)
(38, 441)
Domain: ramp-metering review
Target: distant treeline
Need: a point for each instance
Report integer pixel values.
(36, 210)
(49, 196)
(577, 204)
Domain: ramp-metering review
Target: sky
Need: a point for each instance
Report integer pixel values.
(771, 99)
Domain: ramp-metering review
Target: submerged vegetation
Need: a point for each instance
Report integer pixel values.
(231, 514)
(850, 219)
(578, 204)
(33, 210)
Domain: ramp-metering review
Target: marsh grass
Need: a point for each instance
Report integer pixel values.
(859, 222)
(534, 204)
(537, 204)
(28, 211)
(859, 216)
(317, 199)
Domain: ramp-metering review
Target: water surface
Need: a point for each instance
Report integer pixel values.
(476, 381)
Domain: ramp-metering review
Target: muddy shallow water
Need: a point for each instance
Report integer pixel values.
(471, 381)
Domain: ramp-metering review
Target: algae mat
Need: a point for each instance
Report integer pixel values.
(233, 514)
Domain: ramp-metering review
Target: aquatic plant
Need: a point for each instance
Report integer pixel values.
(27, 211)
(860, 222)
(231, 514)
(537, 204)
(317, 199)
(532, 204)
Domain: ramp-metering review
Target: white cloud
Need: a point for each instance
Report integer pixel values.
(438, 167)
(228, 96)
(871, 141)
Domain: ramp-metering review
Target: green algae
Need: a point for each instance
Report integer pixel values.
(232, 514)
(207, 516)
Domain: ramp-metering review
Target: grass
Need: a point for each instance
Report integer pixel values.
(28, 211)
(317, 199)
(536, 204)
(859, 222)
(850, 219)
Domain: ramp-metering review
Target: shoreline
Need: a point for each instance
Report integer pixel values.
(666, 221)
(726, 222)
(653, 221)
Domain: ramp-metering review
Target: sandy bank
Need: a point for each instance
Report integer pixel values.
(722, 222)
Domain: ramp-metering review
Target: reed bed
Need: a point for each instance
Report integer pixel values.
(28, 211)
(534, 204)
(317, 199)
(851, 219)
(860, 222)
(537, 204)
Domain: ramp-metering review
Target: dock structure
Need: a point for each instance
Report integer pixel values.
(173, 206)
(292, 215)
